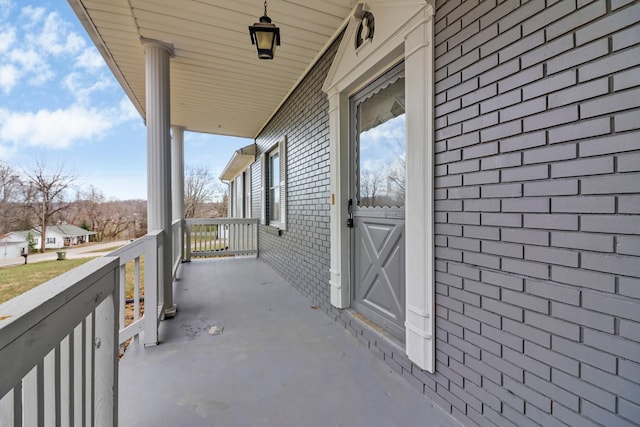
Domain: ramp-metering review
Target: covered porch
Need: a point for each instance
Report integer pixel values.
(245, 347)
(271, 359)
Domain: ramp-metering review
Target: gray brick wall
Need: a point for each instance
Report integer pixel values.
(537, 146)
(301, 253)
(538, 111)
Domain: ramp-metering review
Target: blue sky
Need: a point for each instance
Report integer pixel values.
(60, 104)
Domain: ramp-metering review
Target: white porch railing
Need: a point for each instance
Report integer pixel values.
(218, 237)
(149, 250)
(59, 350)
(59, 342)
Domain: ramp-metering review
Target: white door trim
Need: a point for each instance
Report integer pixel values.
(402, 31)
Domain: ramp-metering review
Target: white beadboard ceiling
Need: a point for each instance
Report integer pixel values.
(218, 85)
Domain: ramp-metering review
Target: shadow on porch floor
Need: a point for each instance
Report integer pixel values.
(276, 362)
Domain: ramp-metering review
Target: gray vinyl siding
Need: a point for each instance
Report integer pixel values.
(537, 188)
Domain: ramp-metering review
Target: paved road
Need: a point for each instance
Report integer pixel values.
(77, 252)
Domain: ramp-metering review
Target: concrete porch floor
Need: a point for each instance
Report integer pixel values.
(277, 362)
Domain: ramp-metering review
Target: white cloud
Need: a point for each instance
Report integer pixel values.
(44, 46)
(82, 86)
(127, 111)
(9, 76)
(38, 46)
(5, 8)
(55, 37)
(32, 64)
(89, 59)
(7, 38)
(56, 129)
(33, 15)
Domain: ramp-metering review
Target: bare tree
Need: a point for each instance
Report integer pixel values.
(110, 219)
(397, 179)
(199, 188)
(92, 201)
(370, 183)
(46, 195)
(10, 187)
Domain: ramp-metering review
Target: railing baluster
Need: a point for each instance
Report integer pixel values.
(91, 365)
(57, 384)
(189, 250)
(136, 292)
(234, 236)
(6, 409)
(69, 382)
(49, 388)
(40, 392)
(222, 237)
(122, 302)
(11, 408)
(50, 377)
(87, 373)
(106, 379)
(17, 405)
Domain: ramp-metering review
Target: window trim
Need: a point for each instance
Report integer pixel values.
(273, 183)
(279, 148)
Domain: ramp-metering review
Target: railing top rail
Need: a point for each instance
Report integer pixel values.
(32, 324)
(205, 221)
(27, 310)
(133, 249)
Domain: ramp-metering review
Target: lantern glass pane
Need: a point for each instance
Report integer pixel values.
(265, 39)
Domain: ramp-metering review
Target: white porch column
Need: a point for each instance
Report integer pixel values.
(338, 155)
(177, 172)
(419, 223)
(177, 178)
(157, 56)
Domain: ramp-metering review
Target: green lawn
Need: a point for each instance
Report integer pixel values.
(110, 249)
(19, 279)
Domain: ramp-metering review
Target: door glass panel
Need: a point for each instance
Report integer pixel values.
(381, 148)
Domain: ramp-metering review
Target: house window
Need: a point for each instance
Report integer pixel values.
(275, 184)
(51, 240)
(274, 188)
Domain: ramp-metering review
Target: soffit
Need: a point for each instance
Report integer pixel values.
(239, 162)
(217, 83)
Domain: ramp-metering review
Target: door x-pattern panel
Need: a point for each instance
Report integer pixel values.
(380, 270)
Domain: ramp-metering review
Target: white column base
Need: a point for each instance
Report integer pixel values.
(419, 342)
(339, 293)
(170, 312)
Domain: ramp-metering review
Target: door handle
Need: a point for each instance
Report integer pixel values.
(350, 213)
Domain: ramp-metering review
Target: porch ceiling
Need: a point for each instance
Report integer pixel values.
(218, 85)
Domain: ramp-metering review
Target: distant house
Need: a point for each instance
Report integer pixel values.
(71, 235)
(11, 246)
(58, 236)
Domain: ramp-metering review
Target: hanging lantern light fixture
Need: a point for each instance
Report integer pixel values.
(265, 35)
